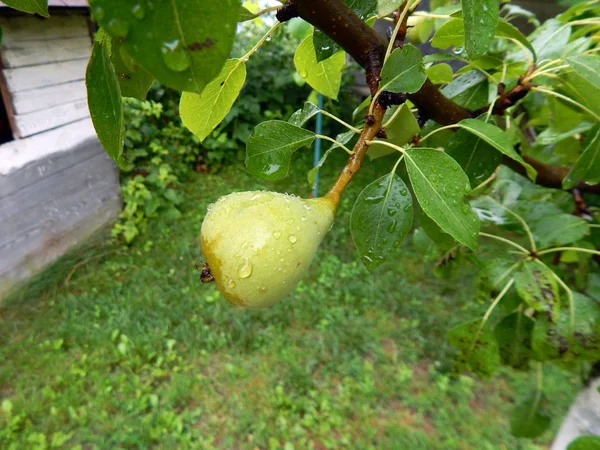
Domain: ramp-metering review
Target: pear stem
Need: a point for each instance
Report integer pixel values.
(369, 132)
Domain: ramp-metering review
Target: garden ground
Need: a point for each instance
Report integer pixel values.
(123, 348)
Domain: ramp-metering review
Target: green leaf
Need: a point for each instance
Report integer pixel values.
(201, 113)
(480, 18)
(550, 40)
(478, 349)
(585, 443)
(325, 47)
(29, 6)
(440, 186)
(381, 219)
(342, 138)
(325, 76)
(509, 31)
(450, 34)
(399, 132)
(530, 419)
(105, 101)
(134, 80)
(246, 14)
(442, 240)
(587, 167)
(513, 334)
(560, 341)
(269, 150)
(497, 139)
(440, 73)
(469, 90)
(558, 230)
(477, 158)
(312, 173)
(301, 116)
(183, 43)
(403, 71)
(386, 7)
(537, 287)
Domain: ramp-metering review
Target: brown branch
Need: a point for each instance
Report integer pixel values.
(368, 48)
(511, 97)
(369, 132)
(548, 175)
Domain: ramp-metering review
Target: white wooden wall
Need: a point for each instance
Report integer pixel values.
(44, 62)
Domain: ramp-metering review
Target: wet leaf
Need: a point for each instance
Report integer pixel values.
(381, 219)
(269, 150)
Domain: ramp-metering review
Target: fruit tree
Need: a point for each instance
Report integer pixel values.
(493, 142)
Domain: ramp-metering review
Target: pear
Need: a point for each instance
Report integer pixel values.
(419, 29)
(259, 244)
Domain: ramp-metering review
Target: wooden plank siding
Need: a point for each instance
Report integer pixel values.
(50, 118)
(21, 29)
(33, 53)
(47, 97)
(32, 77)
(44, 63)
(51, 204)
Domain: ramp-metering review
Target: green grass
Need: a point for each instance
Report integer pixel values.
(133, 352)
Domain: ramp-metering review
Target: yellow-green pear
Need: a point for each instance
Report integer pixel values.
(420, 29)
(259, 244)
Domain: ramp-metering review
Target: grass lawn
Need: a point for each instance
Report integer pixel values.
(116, 348)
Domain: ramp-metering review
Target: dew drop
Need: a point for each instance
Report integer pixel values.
(174, 57)
(245, 269)
(118, 27)
(276, 234)
(374, 199)
(293, 239)
(303, 74)
(465, 208)
(392, 226)
(231, 284)
(458, 50)
(262, 290)
(138, 12)
(392, 211)
(407, 207)
(403, 192)
(290, 221)
(99, 13)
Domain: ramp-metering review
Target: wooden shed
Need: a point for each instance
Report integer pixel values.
(57, 186)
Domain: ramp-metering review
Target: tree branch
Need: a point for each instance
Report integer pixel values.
(369, 132)
(368, 48)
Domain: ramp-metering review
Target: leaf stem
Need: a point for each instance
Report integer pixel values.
(403, 14)
(447, 127)
(387, 144)
(563, 249)
(567, 99)
(506, 241)
(391, 119)
(268, 10)
(327, 138)
(569, 296)
(523, 223)
(260, 42)
(334, 117)
(487, 315)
